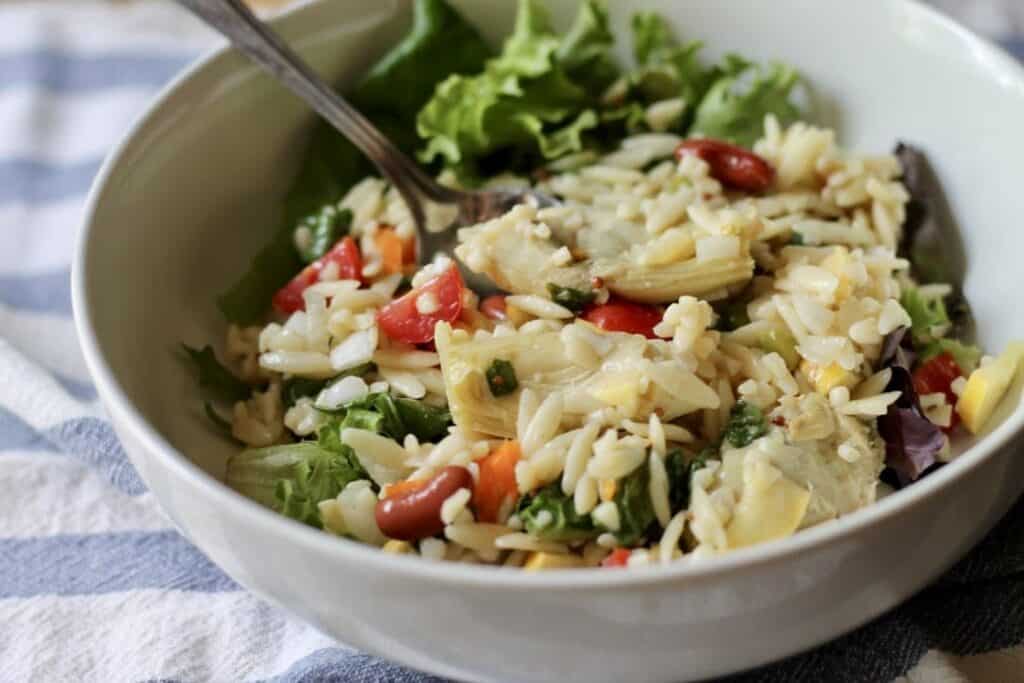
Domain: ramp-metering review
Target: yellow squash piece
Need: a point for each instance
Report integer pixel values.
(771, 506)
(395, 547)
(986, 387)
(829, 377)
(538, 561)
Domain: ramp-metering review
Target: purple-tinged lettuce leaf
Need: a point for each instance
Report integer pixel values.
(912, 441)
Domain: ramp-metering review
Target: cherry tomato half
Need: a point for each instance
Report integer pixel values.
(345, 254)
(402, 320)
(619, 315)
(936, 376)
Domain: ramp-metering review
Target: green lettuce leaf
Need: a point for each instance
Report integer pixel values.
(928, 317)
(440, 43)
(214, 377)
(294, 478)
(743, 93)
(585, 50)
(526, 103)
(667, 68)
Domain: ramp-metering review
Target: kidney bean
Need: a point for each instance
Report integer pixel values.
(732, 166)
(412, 515)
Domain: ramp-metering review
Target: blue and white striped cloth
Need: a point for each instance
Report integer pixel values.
(95, 585)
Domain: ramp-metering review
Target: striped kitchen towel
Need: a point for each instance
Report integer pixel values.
(95, 585)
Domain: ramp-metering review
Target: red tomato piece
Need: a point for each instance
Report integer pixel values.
(936, 376)
(345, 254)
(730, 165)
(619, 315)
(402, 321)
(618, 558)
(494, 307)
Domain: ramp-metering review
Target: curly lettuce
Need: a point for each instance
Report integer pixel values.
(531, 101)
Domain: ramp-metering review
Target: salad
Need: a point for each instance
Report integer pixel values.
(728, 329)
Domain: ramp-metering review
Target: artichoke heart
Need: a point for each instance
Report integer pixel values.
(837, 486)
(521, 256)
(634, 376)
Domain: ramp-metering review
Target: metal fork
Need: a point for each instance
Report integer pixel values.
(265, 47)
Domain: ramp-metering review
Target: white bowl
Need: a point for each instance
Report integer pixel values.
(195, 190)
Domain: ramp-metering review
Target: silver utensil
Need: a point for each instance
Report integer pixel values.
(265, 47)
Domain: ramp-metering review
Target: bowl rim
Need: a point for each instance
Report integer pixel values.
(128, 417)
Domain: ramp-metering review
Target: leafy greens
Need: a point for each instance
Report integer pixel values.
(550, 514)
(294, 478)
(440, 43)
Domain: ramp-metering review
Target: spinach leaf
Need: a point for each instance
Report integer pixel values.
(214, 377)
(396, 418)
(324, 229)
(551, 515)
(427, 423)
(636, 513)
(746, 423)
(680, 471)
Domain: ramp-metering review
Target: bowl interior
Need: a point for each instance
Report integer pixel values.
(196, 190)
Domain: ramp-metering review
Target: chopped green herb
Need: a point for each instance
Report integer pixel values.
(501, 377)
(216, 378)
(746, 423)
(325, 228)
(550, 514)
(573, 299)
(796, 239)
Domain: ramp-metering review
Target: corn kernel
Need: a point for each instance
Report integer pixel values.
(538, 561)
(828, 378)
(397, 547)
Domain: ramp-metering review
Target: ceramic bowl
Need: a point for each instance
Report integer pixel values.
(196, 187)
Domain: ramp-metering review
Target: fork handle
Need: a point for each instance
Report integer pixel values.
(264, 46)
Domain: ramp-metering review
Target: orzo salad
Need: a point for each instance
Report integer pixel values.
(724, 331)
